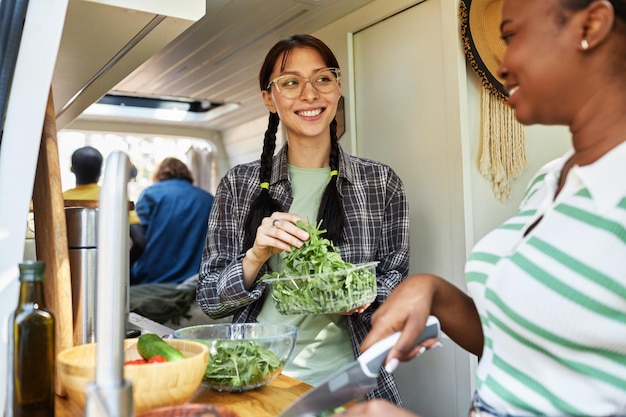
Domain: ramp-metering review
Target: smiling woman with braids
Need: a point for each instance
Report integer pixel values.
(361, 203)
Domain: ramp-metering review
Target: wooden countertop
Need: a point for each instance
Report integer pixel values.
(267, 401)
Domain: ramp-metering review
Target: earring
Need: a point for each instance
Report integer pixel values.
(584, 44)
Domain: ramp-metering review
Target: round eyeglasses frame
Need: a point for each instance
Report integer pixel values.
(325, 80)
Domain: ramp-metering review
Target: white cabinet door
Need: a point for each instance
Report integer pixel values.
(405, 109)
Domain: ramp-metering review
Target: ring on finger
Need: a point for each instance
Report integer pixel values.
(275, 222)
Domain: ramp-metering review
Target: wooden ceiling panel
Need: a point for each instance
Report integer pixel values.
(218, 57)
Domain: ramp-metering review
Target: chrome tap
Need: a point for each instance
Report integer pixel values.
(110, 395)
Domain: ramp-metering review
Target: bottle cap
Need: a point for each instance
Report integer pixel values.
(32, 270)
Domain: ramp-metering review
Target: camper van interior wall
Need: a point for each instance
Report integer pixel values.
(502, 155)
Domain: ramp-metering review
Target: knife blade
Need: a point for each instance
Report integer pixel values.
(354, 380)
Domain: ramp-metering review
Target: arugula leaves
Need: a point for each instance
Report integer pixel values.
(239, 364)
(316, 280)
(327, 413)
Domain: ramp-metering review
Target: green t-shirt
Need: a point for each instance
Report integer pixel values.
(323, 345)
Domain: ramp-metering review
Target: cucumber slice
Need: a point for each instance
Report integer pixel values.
(149, 345)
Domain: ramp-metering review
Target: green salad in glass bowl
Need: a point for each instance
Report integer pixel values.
(317, 281)
(242, 356)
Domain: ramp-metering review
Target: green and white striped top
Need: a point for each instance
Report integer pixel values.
(553, 301)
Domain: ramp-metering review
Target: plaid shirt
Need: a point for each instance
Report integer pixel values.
(376, 229)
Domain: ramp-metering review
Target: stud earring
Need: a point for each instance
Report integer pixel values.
(584, 44)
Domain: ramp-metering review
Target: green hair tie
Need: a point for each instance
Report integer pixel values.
(265, 185)
(334, 172)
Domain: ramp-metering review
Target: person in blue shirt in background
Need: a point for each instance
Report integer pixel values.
(174, 215)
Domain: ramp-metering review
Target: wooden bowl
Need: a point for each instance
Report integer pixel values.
(154, 385)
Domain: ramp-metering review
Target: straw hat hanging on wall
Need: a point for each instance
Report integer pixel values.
(502, 155)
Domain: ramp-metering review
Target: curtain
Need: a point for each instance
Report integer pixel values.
(201, 162)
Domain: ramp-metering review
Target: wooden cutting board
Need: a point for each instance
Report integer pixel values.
(267, 401)
(51, 234)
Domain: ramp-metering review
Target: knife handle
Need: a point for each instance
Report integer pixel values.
(372, 359)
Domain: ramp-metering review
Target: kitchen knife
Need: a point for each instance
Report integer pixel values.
(356, 379)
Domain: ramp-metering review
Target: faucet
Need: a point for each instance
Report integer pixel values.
(110, 395)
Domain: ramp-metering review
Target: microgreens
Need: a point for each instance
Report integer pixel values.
(317, 280)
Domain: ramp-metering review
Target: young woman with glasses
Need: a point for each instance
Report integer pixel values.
(361, 204)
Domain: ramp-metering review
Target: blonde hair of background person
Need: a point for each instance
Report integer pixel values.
(548, 309)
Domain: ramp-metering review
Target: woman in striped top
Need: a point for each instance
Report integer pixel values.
(547, 313)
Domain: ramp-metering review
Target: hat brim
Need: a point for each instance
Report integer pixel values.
(484, 48)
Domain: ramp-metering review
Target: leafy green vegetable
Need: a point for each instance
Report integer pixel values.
(150, 345)
(336, 287)
(327, 413)
(240, 363)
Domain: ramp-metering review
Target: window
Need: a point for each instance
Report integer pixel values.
(145, 153)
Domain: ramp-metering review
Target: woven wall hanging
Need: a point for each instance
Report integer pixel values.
(502, 153)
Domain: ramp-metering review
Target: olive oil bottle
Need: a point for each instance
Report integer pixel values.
(33, 347)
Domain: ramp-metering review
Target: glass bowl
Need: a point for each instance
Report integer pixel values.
(242, 356)
(331, 292)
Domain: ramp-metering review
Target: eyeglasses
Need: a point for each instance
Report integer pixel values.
(292, 86)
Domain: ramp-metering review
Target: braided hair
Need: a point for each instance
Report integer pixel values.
(331, 207)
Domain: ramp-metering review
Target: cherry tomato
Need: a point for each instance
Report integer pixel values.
(157, 359)
(136, 361)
